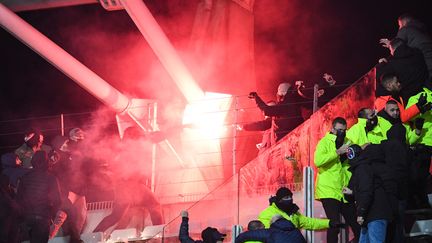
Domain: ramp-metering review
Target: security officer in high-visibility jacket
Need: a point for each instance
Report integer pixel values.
(367, 129)
(333, 175)
(422, 149)
(283, 204)
(421, 157)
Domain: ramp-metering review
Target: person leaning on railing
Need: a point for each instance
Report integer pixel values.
(286, 113)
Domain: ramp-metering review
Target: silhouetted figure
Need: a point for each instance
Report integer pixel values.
(208, 235)
(131, 192)
(286, 112)
(63, 168)
(39, 197)
(409, 66)
(12, 168)
(415, 34)
(9, 213)
(375, 191)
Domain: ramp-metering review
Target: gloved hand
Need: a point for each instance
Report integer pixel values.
(252, 95)
(424, 108)
(272, 199)
(422, 104)
(422, 100)
(336, 224)
(418, 123)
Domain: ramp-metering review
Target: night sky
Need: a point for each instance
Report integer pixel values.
(304, 38)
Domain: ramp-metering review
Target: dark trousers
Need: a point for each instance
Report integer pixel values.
(333, 209)
(38, 228)
(120, 211)
(395, 230)
(70, 226)
(9, 227)
(421, 160)
(117, 213)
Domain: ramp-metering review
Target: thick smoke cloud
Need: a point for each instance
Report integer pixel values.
(294, 40)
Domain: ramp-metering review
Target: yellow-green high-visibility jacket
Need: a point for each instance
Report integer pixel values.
(298, 220)
(332, 174)
(357, 133)
(411, 136)
(426, 136)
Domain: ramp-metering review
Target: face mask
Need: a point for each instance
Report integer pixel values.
(287, 206)
(340, 137)
(371, 123)
(340, 133)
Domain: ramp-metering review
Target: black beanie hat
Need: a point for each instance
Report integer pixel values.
(283, 192)
(211, 235)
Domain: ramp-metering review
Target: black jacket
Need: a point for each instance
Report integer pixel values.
(409, 65)
(38, 191)
(184, 232)
(396, 154)
(416, 36)
(374, 188)
(280, 231)
(287, 113)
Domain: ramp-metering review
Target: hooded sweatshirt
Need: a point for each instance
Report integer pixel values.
(416, 36)
(395, 152)
(372, 186)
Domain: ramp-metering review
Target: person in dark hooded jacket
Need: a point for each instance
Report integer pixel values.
(61, 166)
(208, 235)
(415, 34)
(280, 231)
(131, 193)
(286, 113)
(374, 191)
(39, 197)
(408, 64)
(396, 151)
